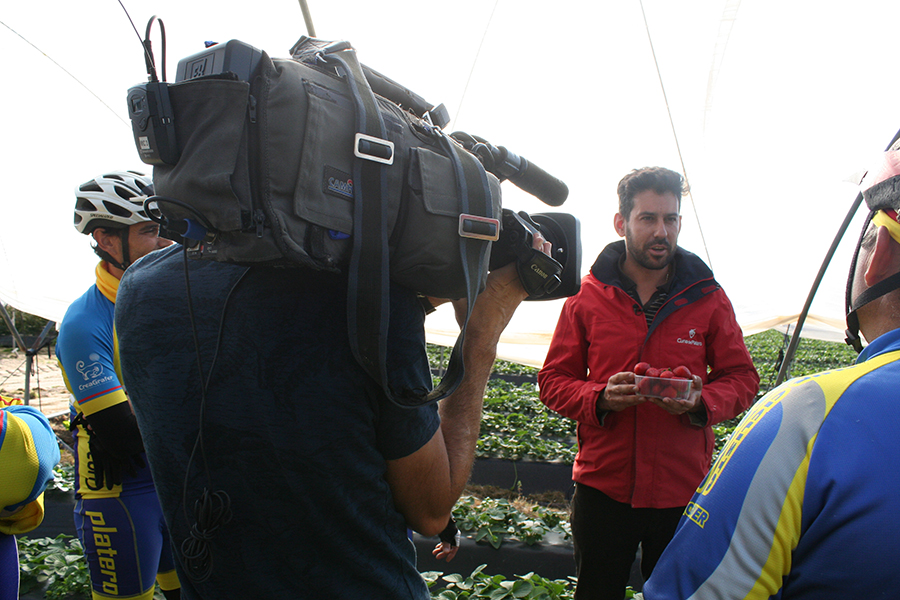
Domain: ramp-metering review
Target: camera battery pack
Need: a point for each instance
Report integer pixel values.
(152, 124)
(234, 55)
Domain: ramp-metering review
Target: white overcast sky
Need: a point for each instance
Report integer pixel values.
(769, 124)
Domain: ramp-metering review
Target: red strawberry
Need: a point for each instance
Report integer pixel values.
(641, 368)
(644, 388)
(682, 372)
(669, 392)
(652, 372)
(667, 374)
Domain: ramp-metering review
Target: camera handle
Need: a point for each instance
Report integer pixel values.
(539, 273)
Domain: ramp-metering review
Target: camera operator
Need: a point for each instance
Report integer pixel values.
(283, 469)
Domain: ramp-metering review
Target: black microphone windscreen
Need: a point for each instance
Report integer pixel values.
(541, 184)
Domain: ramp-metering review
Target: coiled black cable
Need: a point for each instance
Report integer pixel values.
(212, 510)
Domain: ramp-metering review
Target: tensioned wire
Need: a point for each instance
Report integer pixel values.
(665, 98)
(675, 134)
(487, 26)
(50, 58)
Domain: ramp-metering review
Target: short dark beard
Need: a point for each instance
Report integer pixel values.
(640, 256)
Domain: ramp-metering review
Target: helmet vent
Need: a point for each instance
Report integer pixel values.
(123, 192)
(84, 204)
(117, 210)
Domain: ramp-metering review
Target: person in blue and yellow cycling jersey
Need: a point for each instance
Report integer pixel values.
(117, 513)
(28, 453)
(803, 501)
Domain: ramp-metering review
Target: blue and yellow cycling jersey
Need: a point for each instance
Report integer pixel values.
(88, 356)
(86, 347)
(803, 501)
(28, 453)
(125, 540)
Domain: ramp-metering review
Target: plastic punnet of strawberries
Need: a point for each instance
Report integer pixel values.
(657, 382)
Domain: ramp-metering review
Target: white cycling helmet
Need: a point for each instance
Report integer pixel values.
(113, 199)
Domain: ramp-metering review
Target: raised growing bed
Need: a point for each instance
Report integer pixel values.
(551, 558)
(527, 477)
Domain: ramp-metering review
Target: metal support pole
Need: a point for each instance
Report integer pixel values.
(795, 339)
(12, 328)
(307, 17)
(29, 352)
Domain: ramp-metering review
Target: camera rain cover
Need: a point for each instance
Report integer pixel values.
(304, 165)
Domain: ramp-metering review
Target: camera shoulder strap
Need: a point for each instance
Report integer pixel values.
(368, 301)
(473, 252)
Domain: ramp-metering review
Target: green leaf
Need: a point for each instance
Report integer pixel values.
(431, 577)
(522, 589)
(467, 584)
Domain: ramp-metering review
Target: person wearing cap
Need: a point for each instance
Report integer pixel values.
(117, 513)
(803, 500)
(28, 453)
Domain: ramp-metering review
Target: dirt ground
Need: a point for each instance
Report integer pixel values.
(48, 392)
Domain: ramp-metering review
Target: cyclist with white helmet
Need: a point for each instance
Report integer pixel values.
(111, 209)
(117, 513)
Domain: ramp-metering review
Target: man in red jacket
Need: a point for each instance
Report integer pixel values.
(640, 458)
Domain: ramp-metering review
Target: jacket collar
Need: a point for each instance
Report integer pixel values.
(689, 268)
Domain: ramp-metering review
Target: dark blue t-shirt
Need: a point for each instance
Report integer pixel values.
(293, 430)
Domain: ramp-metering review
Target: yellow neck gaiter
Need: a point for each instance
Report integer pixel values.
(106, 282)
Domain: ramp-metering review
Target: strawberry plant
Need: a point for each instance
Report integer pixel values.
(515, 425)
(768, 347)
(55, 564)
(63, 478)
(496, 587)
(492, 520)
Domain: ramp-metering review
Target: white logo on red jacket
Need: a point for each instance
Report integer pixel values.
(691, 341)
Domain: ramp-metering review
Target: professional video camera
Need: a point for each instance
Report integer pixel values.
(320, 161)
(155, 124)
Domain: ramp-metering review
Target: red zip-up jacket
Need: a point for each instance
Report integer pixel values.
(643, 455)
